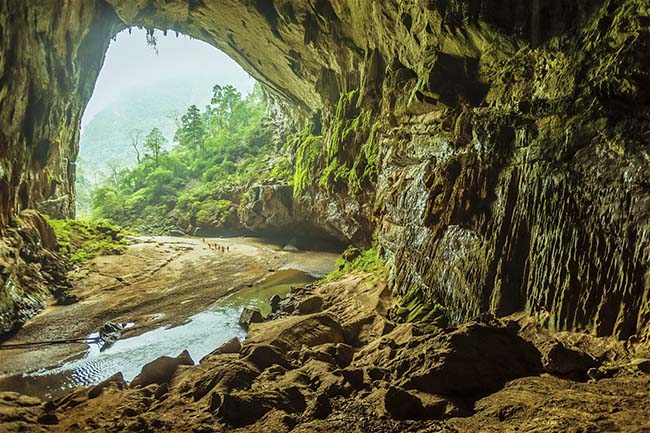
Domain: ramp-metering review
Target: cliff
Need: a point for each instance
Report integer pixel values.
(497, 149)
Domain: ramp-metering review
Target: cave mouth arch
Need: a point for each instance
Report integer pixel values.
(148, 79)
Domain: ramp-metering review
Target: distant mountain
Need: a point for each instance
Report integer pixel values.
(106, 138)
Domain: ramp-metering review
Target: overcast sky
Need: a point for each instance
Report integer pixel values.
(130, 63)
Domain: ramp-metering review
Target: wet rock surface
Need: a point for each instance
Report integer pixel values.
(486, 375)
(160, 371)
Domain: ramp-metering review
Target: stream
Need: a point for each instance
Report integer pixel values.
(200, 335)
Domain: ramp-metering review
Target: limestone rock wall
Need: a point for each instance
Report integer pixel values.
(536, 198)
(512, 135)
(50, 55)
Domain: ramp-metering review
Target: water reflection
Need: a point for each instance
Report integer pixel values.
(200, 335)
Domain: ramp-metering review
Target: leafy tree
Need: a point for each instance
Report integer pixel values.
(155, 142)
(227, 106)
(191, 132)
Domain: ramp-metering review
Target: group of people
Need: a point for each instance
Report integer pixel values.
(216, 246)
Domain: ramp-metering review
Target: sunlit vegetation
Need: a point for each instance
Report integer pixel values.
(218, 153)
(356, 260)
(83, 240)
(346, 160)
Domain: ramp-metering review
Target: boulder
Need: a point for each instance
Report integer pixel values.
(245, 408)
(275, 303)
(161, 370)
(263, 356)
(354, 377)
(250, 315)
(319, 407)
(400, 404)
(562, 360)
(231, 346)
(311, 305)
(116, 380)
(291, 333)
(474, 359)
(225, 376)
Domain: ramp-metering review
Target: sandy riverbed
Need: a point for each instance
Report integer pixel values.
(159, 281)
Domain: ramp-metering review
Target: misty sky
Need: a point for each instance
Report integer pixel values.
(130, 63)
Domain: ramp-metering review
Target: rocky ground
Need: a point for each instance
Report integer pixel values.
(332, 360)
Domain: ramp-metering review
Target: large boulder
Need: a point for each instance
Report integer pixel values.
(264, 356)
(244, 408)
(250, 315)
(474, 359)
(161, 370)
(293, 332)
(231, 346)
(310, 305)
(224, 376)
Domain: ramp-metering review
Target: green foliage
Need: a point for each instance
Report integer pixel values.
(415, 308)
(283, 170)
(353, 151)
(213, 212)
(307, 157)
(155, 141)
(347, 159)
(220, 151)
(192, 131)
(82, 240)
(355, 260)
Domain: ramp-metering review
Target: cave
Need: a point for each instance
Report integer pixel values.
(495, 152)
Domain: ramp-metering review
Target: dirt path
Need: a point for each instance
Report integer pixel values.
(158, 281)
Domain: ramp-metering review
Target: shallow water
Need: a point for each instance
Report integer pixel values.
(200, 335)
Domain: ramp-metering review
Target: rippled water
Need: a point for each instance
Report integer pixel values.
(200, 335)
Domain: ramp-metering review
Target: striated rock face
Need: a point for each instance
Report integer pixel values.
(30, 273)
(535, 199)
(498, 148)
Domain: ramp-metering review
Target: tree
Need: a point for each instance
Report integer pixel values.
(226, 104)
(191, 131)
(116, 173)
(155, 142)
(135, 142)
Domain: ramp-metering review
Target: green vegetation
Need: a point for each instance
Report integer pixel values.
(415, 308)
(82, 240)
(351, 155)
(138, 111)
(307, 157)
(220, 151)
(355, 260)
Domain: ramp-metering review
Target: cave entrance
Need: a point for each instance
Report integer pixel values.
(148, 81)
